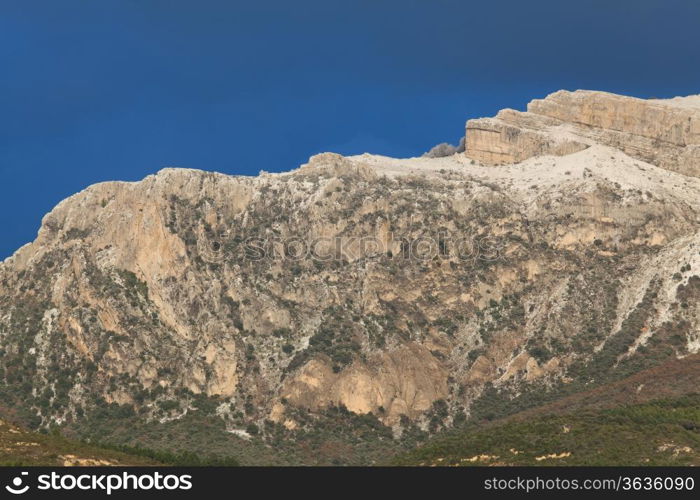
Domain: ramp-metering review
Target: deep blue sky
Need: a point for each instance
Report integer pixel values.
(102, 90)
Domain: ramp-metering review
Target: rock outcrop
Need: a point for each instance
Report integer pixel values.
(664, 132)
(409, 293)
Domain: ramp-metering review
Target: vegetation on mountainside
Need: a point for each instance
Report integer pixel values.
(340, 437)
(335, 436)
(19, 447)
(665, 432)
(614, 361)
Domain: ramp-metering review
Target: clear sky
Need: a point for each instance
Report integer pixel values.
(94, 90)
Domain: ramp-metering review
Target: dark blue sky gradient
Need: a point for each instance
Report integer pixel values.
(103, 90)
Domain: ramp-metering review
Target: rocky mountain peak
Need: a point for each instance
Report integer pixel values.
(398, 296)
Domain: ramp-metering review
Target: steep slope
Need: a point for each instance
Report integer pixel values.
(419, 291)
(669, 380)
(661, 433)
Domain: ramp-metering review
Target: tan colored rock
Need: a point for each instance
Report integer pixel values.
(481, 371)
(662, 132)
(512, 137)
(404, 381)
(147, 288)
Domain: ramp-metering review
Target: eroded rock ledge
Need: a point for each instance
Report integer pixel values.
(665, 132)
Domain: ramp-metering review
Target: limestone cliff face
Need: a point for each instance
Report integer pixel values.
(512, 137)
(663, 132)
(409, 289)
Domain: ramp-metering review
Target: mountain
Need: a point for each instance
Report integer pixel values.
(348, 309)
